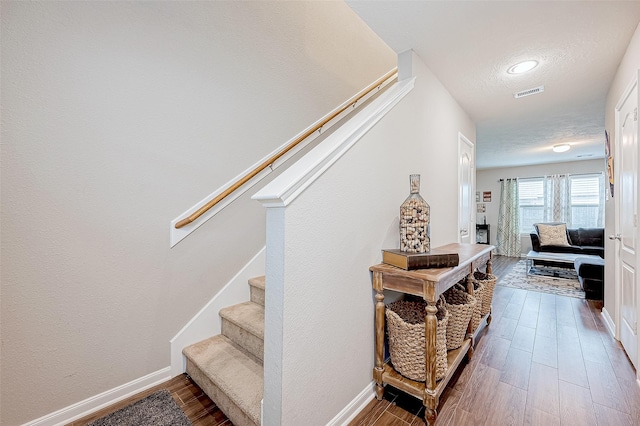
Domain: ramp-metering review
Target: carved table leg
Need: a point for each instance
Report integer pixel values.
(470, 329)
(379, 367)
(430, 416)
(430, 400)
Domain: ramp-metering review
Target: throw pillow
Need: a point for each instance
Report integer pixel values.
(553, 235)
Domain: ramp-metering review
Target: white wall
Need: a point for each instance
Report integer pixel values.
(333, 232)
(116, 117)
(488, 180)
(627, 69)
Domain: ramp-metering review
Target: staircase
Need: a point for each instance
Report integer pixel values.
(228, 367)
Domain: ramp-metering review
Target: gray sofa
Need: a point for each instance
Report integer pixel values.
(586, 241)
(581, 240)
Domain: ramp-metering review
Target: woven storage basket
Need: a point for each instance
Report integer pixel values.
(405, 329)
(478, 293)
(489, 283)
(460, 306)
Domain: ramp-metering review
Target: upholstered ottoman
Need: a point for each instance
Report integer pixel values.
(591, 276)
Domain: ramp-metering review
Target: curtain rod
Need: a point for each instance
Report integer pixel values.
(568, 174)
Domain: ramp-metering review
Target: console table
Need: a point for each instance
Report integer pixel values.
(428, 284)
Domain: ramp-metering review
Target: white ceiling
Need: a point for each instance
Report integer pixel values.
(469, 45)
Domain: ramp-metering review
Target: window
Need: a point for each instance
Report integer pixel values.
(587, 201)
(531, 201)
(580, 199)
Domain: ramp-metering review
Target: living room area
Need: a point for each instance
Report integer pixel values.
(566, 196)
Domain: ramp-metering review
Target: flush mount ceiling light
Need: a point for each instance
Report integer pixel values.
(561, 148)
(522, 67)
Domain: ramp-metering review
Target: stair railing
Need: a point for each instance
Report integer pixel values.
(269, 162)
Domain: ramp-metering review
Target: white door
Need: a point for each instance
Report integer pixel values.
(627, 218)
(466, 179)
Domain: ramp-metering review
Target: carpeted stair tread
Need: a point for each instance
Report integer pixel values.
(231, 370)
(258, 282)
(247, 315)
(257, 286)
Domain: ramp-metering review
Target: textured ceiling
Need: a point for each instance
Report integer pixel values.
(469, 45)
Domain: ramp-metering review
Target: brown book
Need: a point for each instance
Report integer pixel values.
(409, 261)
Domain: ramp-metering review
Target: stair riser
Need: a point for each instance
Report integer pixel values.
(251, 343)
(231, 410)
(257, 295)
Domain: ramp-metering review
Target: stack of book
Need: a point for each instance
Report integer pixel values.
(408, 261)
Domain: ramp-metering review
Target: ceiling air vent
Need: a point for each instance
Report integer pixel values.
(529, 92)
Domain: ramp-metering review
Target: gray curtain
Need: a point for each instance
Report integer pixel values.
(508, 238)
(557, 199)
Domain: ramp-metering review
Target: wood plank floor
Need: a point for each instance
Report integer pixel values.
(544, 360)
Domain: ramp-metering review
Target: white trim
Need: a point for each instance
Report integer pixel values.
(405, 65)
(352, 409)
(616, 229)
(462, 139)
(100, 401)
(611, 327)
(292, 182)
(177, 235)
(207, 322)
(273, 318)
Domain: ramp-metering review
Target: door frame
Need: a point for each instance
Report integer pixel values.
(462, 139)
(616, 195)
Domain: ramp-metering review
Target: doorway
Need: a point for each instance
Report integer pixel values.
(466, 185)
(626, 226)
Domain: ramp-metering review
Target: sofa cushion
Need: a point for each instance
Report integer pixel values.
(597, 250)
(553, 235)
(562, 249)
(593, 237)
(591, 276)
(588, 267)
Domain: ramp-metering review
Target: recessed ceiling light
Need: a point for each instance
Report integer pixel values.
(561, 148)
(522, 67)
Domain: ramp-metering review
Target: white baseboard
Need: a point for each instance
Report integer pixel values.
(207, 322)
(611, 326)
(352, 409)
(98, 402)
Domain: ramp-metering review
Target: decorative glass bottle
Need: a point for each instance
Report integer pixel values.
(414, 220)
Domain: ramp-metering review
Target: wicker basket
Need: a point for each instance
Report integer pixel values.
(460, 306)
(489, 283)
(405, 328)
(478, 293)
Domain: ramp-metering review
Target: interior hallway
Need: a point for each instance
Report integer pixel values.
(545, 360)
